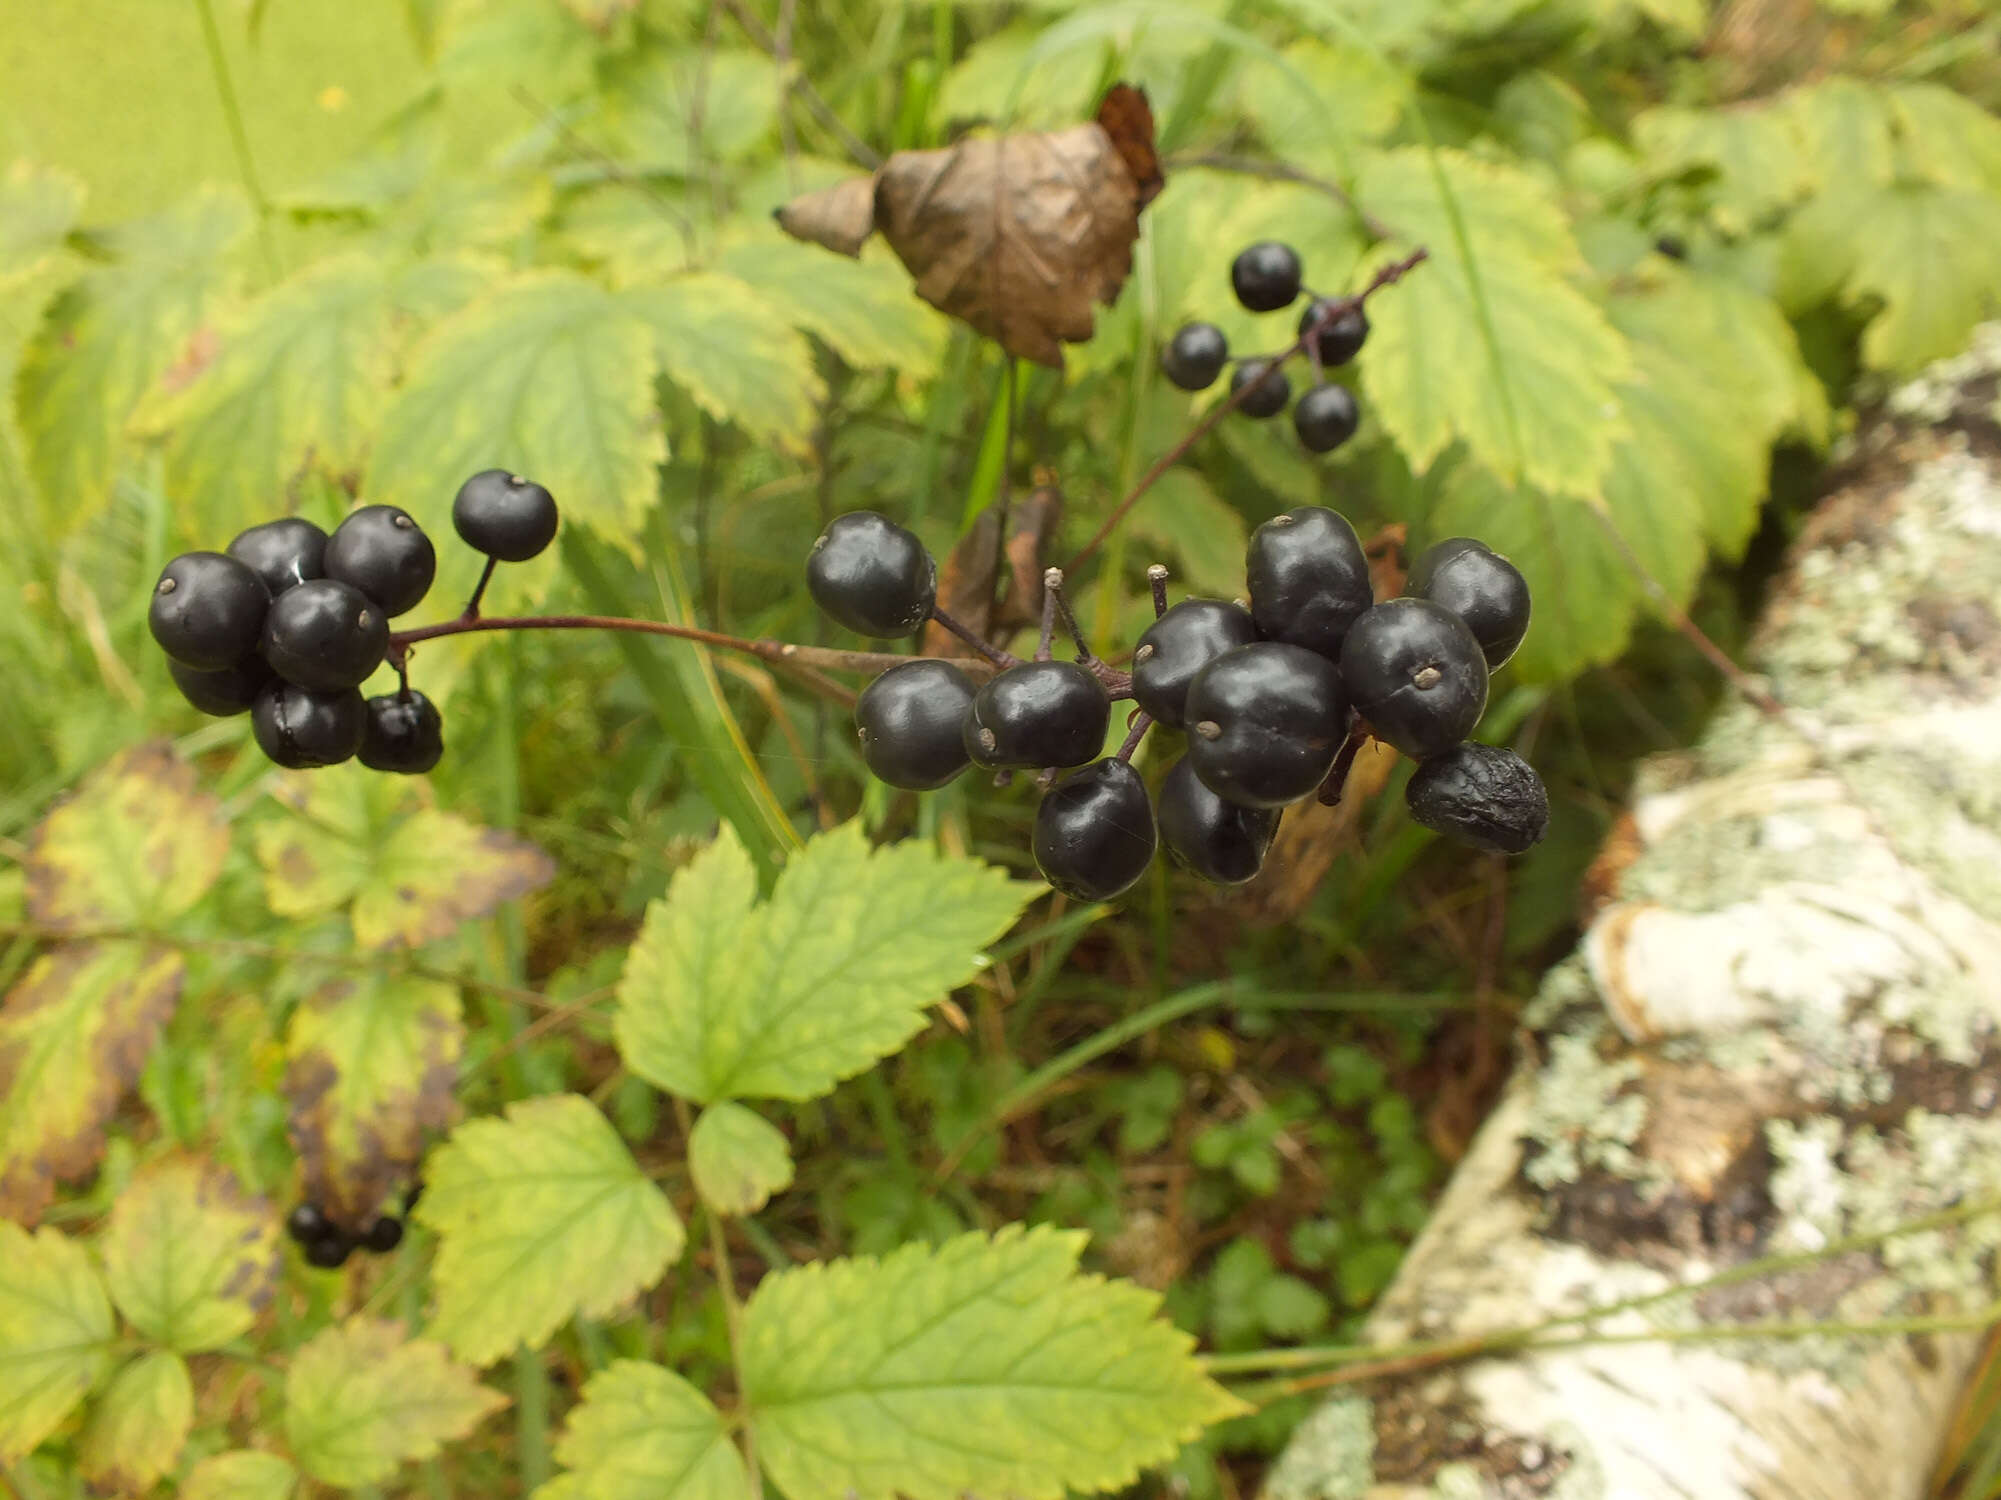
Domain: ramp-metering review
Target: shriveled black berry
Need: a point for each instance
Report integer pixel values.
(381, 550)
(1308, 578)
(403, 732)
(1094, 833)
(1481, 587)
(1415, 672)
(1325, 418)
(1264, 722)
(1341, 339)
(1195, 356)
(329, 1252)
(226, 691)
(208, 610)
(283, 552)
(1265, 276)
(1480, 795)
(299, 729)
(1271, 393)
(504, 516)
(325, 635)
(1219, 841)
(1041, 713)
(307, 1222)
(384, 1235)
(869, 574)
(911, 722)
(1181, 643)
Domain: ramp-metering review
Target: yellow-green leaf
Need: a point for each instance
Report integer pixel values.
(644, 1433)
(864, 308)
(1756, 154)
(1428, 197)
(738, 1159)
(1947, 138)
(138, 1426)
(242, 1474)
(189, 1256)
(1356, 97)
(38, 208)
(736, 354)
(1204, 534)
(55, 1334)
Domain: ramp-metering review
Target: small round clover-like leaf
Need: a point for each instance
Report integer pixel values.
(189, 1256)
(738, 1158)
(55, 1334)
(137, 1427)
(644, 1433)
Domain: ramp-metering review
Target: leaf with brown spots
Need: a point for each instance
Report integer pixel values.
(74, 1033)
(373, 1066)
(189, 1255)
(137, 846)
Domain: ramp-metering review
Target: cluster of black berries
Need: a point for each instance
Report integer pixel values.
(289, 622)
(1266, 277)
(327, 1245)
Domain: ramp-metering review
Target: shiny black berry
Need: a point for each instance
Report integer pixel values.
(1195, 356)
(1308, 578)
(403, 732)
(1480, 795)
(1271, 393)
(208, 610)
(226, 691)
(1178, 645)
(283, 552)
(1325, 418)
(1415, 672)
(504, 516)
(911, 722)
(1219, 841)
(330, 1251)
(1341, 339)
(1041, 713)
(1264, 722)
(306, 1223)
(1265, 276)
(869, 574)
(381, 550)
(384, 1235)
(325, 635)
(1481, 587)
(1094, 834)
(299, 729)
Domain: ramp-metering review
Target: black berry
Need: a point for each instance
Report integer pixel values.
(504, 516)
(226, 691)
(1308, 578)
(283, 552)
(1341, 338)
(306, 1223)
(299, 729)
(1270, 394)
(1480, 795)
(402, 731)
(1325, 418)
(1415, 672)
(869, 574)
(1195, 356)
(1219, 841)
(381, 550)
(1178, 645)
(911, 722)
(1266, 276)
(1264, 722)
(208, 610)
(384, 1235)
(330, 1252)
(325, 635)
(1041, 713)
(1481, 587)
(1094, 834)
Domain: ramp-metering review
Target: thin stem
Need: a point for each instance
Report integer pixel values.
(1052, 589)
(796, 83)
(239, 138)
(1156, 577)
(1042, 651)
(1142, 721)
(471, 611)
(1000, 658)
(1004, 486)
(719, 1252)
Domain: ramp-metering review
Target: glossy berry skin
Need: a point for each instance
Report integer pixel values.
(1481, 587)
(1480, 795)
(504, 516)
(911, 723)
(283, 552)
(1094, 833)
(402, 732)
(384, 1235)
(230, 690)
(306, 1222)
(1325, 418)
(325, 635)
(1181, 643)
(869, 574)
(1195, 356)
(1041, 713)
(1219, 841)
(1265, 276)
(208, 610)
(1308, 578)
(330, 1252)
(1342, 339)
(381, 550)
(1415, 672)
(1269, 399)
(1264, 723)
(300, 729)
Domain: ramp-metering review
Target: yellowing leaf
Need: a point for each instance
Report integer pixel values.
(1948, 139)
(243, 1474)
(738, 1159)
(733, 352)
(862, 308)
(987, 1365)
(1428, 197)
(138, 1426)
(539, 1216)
(190, 1257)
(644, 1433)
(38, 208)
(723, 1000)
(55, 1334)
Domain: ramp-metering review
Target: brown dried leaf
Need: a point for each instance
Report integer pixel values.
(838, 218)
(190, 1257)
(965, 584)
(1309, 840)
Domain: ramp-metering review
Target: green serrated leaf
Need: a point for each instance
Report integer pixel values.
(738, 1159)
(1426, 196)
(986, 1365)
(539, 1216)
(1360, 98)
(38, 208)
(138, 1426)
(680, 110)
(644, 1433)
(724, 1000)
(1757, 155)
(1947, 138)
(361, 1399)
(1205, 534)
(188, 1255)
(55, 1334)
(243, 1474)
(733, 352)
(1846, 127)
(864, 309)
